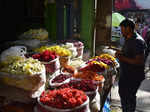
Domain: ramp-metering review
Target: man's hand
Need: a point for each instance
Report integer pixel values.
(138, 60)
(118, 54)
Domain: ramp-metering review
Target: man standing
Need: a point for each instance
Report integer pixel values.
(131, 59)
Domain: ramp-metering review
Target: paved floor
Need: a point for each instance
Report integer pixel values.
(143, 98)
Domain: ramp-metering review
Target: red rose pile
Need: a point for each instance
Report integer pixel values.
(84, 85)
(66, 98)
(60, 78)
(45, 56)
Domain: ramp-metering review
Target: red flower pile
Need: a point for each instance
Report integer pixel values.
(66, 98)
(60, 78)
(45, 56)
(84, 85)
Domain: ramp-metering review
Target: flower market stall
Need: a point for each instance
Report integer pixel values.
(54, 78)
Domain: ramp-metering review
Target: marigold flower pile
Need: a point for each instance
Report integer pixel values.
(89, 75)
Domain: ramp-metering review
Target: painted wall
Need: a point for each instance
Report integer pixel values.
(87, 22)
(85, 30)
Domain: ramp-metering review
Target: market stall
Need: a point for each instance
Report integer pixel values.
(54, 77)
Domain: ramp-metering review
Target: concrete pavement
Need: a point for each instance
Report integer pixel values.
(143, 98)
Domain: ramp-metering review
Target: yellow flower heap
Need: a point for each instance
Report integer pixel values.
(39, 34)
(97, 60)
(57, 49)
(21, 66)
(101, 64)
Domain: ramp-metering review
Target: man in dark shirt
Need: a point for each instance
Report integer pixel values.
(131, 59)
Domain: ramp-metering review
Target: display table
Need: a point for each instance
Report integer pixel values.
(6, 105)
(22, 107)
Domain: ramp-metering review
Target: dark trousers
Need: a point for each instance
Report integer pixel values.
(127, 94)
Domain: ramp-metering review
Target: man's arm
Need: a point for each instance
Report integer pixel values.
(138, 60)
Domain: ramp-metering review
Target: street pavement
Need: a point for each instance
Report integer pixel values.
(143, 98)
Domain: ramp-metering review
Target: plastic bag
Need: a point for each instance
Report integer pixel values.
(106, 107)
(95, 104)
(70, 46)
(13, 51)
(80, 51)
(35, 84)
(30, 44)
(64, 60)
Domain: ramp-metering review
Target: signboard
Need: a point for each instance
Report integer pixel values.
(132, 4)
